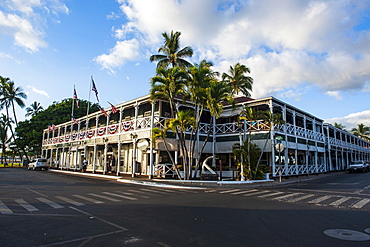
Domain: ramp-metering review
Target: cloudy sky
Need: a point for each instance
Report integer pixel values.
(312, 54)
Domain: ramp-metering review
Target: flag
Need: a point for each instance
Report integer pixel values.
(74, 120)
(103, 111)
(76, 98)
(94, 88)
(114, 109)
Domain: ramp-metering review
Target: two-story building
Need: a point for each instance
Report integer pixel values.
(120, 142)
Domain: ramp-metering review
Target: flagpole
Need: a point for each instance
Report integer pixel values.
(88, 102)
(73, 99)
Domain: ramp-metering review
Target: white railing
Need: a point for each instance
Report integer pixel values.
(282, 170)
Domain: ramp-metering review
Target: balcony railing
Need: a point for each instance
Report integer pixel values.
(204, 128)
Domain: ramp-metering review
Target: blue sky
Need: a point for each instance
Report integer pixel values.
(312, 54)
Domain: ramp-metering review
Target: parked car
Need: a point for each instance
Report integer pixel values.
(38, 164)
(359, 166)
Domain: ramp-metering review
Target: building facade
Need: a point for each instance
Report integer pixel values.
(120, 143)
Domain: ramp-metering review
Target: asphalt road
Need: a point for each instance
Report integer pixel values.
(40, 208)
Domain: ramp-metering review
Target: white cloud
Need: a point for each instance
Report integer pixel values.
(122, 52)
(24, 33)
(38, 91)
(5, 55)
(335, 94)
(352, 120)
(285, 43)
(20, 20)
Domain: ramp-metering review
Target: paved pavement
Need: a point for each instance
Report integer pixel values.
(197, 184)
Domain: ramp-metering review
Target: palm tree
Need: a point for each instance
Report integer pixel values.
(237, 79)
(248, 150)
(172, 53)
(361, 131)
(4, 139)
(183, 121)
(250, 115)
(339, 126)
(33, 109)
(11, 95)
(167, 84)
(270, 120)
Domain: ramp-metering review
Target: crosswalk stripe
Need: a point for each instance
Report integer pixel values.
(26, 205)
(297, 199)
(88, 199)
(121, 196)
(361, 203)
(243, 192)
(271, 194)
(173, 191)
(50, 203)
(105, 197)
(70, 201)
(320, 199)
(140, 192)
(339, 201)
(210, 191)
(279, 198)
(4, 209)
(229, 191)
(256, 193)
(131, 194)
(155, 191)
(126, 193)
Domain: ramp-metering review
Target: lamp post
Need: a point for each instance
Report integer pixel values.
(240, 127)
(134, 138)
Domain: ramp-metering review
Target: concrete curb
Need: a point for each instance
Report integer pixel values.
(165, 183)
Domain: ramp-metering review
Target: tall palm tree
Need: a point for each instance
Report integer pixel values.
(249, 115)
(270, 120)
(183, 121)
(33, 109)
(167, 84)
(11, 95)
(4, 139)
(172, 54)
(361, 131)
(237, 79)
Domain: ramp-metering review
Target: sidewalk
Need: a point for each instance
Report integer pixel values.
(197, 184)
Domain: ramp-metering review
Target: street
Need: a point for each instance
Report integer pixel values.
(44, 208)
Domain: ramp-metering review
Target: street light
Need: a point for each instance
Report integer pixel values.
(134, 138)
(240, 127)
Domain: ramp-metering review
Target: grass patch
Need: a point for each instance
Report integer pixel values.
(12, 165)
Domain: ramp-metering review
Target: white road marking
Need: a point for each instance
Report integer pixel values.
(121, 196)
(71, 201)
(243, 192)
(50, 203)
(88, 199)
(132, 194)
(271, 194)
(26, 205)
(256, 193)
(339, 201)
(301, 198)
(156, 191)
(320, 199)
(361, 203)
(105, 197)
(4, 209)
(229, 191)
(279, 198)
